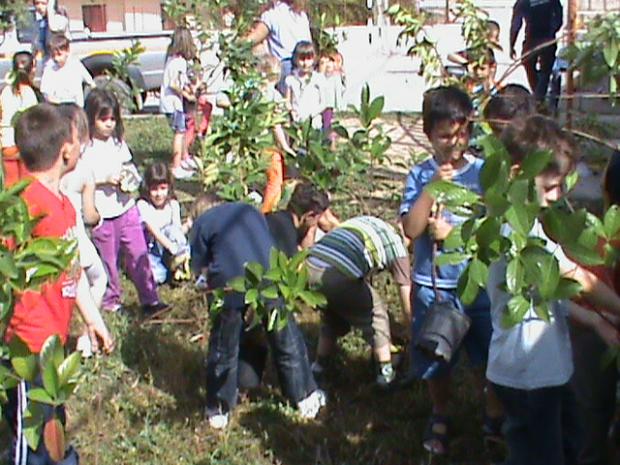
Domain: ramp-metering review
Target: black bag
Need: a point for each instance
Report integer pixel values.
(445, 325)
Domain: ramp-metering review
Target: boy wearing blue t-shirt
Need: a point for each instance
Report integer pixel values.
(446, 114)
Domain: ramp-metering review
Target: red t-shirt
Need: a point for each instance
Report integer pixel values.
(45, 312)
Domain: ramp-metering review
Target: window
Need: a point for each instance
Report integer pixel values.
(95, 18)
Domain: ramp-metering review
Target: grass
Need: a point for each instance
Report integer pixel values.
(144, 403)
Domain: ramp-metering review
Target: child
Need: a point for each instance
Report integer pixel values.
(49, 18)
(15, 97)
(161, 215)
(330, 65)
(49, 148)
(305, 87)
(173, 90)
(200, 104)
(270, 70)
(446, 113)
(64, 75)
(120, 232)
(530, 363)
(241, 228)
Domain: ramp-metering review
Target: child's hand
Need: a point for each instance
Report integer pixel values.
(445, 172)
(439, 228)
(98, 333)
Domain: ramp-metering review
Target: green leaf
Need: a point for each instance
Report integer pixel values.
(50, 379)
(570, 180)
(52, 352)
(251, 296)
(515, 276)
(270, 292)
(611, 222)
(452, 195)
(254, 272)
(23, 361)
(237, 284)
(542, 311)
(454, 239)
(550, 278)
(40, 395)
(313, 298)
(7, 266)
(567, 289)
(518, 191)
(467, 288)
(341, 131)
(272, 320)
(68, 368)
(520, 218)
(534, 163)
(478, 272)
(584, 255)
(610, 52)
(515, 311)
(376, 107)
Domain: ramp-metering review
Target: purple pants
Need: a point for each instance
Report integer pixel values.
(124, 235)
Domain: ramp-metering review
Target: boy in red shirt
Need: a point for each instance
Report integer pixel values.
(49, 147)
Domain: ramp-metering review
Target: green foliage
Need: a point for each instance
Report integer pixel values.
(27, 263)
(511, 210)
(11, 11)
(353, 159)
(595, 55)
(474, 31)
(121, 62)
(277, 293)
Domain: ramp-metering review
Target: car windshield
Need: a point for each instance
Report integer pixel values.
(26, 27)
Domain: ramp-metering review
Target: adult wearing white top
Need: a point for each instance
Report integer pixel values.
(283, 25)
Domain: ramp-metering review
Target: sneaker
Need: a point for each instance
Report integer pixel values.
(181, 173)
(201, 283)
(310, 406)
(218, 421)
(189, 164)
(385, 376)
(150, 311)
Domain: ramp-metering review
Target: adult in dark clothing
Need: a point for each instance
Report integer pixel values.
(543, 19)
(223, 240)
(291, 229)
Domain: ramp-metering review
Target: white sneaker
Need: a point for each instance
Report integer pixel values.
(201, 283)
(189, 164)
(310, 406)
(218, 421)
(181, 173)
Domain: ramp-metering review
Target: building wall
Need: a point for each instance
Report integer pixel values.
(122, 15)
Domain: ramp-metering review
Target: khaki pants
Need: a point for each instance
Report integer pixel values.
(350, 302)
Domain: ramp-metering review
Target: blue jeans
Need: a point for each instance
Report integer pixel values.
(159, 257)
(289, 354)
(476, 341)
(541, 425)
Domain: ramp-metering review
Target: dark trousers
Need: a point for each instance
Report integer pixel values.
(538, 66)
(289, 354)
(595, 391)
(541, 425)
(21, 453)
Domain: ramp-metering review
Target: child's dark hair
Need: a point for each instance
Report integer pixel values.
(445, 103)
(541, 133)
(303, 49)
(23, 64)
(202, 203)
(611, 180)
(513, 103)
(78, 118)
(182, 44)
(155, 174)
(99, 104)
(58, 41)
(306, 198)
(40, 133)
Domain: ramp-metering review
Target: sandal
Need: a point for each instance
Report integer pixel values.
(436, 435)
